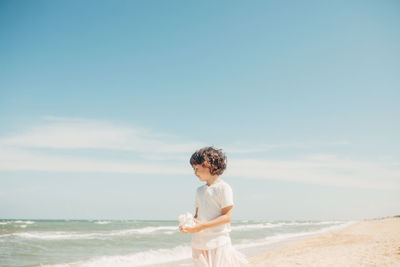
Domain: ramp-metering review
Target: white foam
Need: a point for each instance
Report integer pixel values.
(25, 222)
(50, 235)
(158, 256)
(5, 235)
(286, 237)
(96, 235)
(102, 222)
(16, 222)
(253, 226)
(249, 227)
(149, 229)
(169, 232)
(309, 223)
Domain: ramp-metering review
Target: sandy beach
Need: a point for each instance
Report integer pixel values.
(363, 244)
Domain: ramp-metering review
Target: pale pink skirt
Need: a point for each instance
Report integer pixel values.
(224, 256)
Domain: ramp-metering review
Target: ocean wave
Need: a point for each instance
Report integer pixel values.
(24, 222)
(170, 232)
(167, 230)
(289, 236)
(96, 235)
(309, 223)
(16, 222)
(250, 227)
(247, 227)
(150, 229)
(156, 256)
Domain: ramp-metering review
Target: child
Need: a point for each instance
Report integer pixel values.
(211, 243)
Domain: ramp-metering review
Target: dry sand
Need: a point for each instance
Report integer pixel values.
(363, 244)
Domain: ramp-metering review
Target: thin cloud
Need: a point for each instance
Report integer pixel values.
(329, 171)
(23, 160)
(319, 169)
(79, 133)
(70, 133)
(154, 153)
(246, 149)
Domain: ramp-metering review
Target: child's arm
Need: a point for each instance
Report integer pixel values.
(225, 217)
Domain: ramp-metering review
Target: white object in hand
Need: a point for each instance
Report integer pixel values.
(186, 220)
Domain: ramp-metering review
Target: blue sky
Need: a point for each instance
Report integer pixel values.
(103, 102)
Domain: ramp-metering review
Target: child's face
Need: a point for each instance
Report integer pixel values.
(202, 172)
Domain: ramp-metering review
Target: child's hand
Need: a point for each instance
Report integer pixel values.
(189, 230)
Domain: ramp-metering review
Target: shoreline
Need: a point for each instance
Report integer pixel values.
(272, 244)
(372, 242)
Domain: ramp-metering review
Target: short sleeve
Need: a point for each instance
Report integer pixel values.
(226, 196)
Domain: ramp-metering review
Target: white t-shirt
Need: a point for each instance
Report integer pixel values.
(210, 200)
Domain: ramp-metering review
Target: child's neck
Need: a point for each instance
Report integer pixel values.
(213, 180)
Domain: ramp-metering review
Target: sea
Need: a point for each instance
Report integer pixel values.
(134, 242)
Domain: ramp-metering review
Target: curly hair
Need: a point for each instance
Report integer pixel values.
(211, 158)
